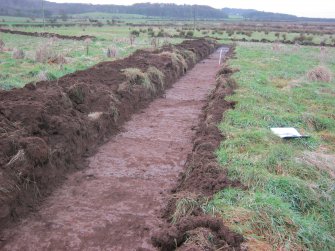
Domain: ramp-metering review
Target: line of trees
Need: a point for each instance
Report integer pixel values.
(32, 8)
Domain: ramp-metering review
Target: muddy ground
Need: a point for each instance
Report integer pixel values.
(46, 129)
(46, 34)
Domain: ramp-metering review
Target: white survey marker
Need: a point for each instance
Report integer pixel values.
(220, 56)
(225, 50)
(287, 132)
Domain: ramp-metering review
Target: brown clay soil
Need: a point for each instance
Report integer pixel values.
(46, 34)
(186, 225)
(46, 129)
(116, 202)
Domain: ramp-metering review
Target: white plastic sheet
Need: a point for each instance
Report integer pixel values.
(287, 132)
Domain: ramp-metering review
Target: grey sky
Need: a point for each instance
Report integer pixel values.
(308, 8)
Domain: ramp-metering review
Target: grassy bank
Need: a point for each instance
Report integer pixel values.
(289, 202)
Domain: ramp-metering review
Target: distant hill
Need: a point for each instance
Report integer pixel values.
(259, 15)
(250, 14)
(32, 8)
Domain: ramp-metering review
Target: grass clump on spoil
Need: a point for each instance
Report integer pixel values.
(185, 206)
(178, 61)
(77, 93)
(202, 238)
(320, 74)
(114, 112)
(191, 55)
(156, 75)
(289, 203)
(135, 76)
(182, 61)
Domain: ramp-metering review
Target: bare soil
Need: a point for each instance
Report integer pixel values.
(201, 178)
(46, 129)
(46, 34)
(116, 202)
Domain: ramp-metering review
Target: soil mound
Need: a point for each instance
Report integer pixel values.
(46, 34)
(46, 129)
(202, 177)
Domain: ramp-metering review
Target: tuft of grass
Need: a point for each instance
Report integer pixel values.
(182, 61)
(114, 111)
(43, 54)
(178, 62)
(320, 74)
(111, 52)
(77, 94)
(185, 205)
(156, 75)
(135, 76)
(45, 76)
(201, 238)
(19, 156)
(18, 54)
(187, 54)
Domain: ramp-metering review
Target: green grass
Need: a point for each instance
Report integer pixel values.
(289, 203)
(17, 73)
(10, 20)
(258, 35)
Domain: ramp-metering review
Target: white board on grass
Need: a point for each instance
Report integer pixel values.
(287, 132)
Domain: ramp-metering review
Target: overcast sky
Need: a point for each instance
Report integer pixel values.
(307, 8)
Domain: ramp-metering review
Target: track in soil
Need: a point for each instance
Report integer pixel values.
(115, 203)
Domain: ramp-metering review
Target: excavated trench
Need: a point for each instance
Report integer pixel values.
(115, 203)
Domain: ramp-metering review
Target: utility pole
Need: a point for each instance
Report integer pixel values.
(43, 14)
(194, 17)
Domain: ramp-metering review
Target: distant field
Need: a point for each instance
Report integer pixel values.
(18, 72)
(113, 31)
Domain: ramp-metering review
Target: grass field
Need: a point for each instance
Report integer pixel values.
(18, 72)
(290, 200)
(108, 32)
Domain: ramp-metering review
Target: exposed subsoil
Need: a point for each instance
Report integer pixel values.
(46, 129)
(116, 202)
(201, 178)
(46, 34)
